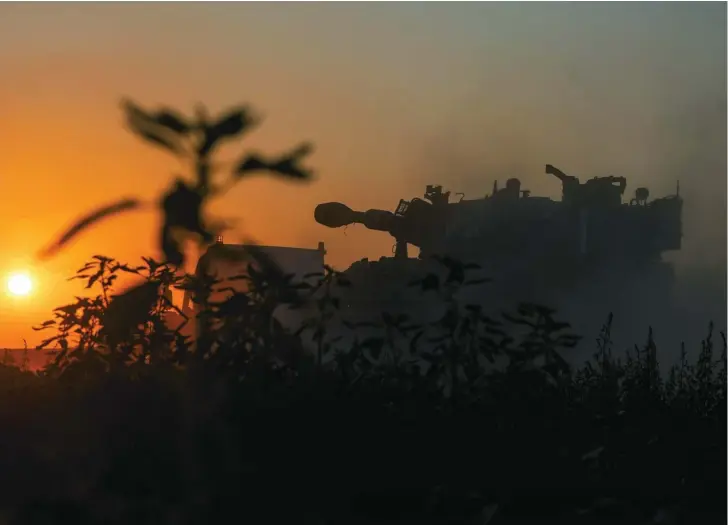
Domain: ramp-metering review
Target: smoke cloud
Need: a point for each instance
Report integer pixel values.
(653, 120)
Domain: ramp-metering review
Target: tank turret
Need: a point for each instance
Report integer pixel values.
(590, 222)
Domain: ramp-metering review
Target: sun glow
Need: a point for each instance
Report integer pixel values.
(19, 284)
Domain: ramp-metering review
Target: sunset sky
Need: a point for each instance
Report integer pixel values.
(393, 95)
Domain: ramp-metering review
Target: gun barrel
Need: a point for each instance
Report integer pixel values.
(336, 215)
(556, 172)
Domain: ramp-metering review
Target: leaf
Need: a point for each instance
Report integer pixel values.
(413, 342)
(85, 267)
(430, 282)
(233, 123)
(456, 273)
(88, 220)
(44, 325)
(182, 208)
(285, 166)
(46, 342)
(129, 309)
(93, 279)
(170, 246)
(146, 126)
(374, 345)
(172, 121)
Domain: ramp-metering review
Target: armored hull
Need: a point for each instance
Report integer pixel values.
(583, 295)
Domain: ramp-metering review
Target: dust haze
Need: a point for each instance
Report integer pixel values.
(658, 122)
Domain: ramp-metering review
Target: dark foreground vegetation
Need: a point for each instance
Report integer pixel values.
(132, 423)
(148, 429)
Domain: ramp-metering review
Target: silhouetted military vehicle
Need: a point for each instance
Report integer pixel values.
(589, 247)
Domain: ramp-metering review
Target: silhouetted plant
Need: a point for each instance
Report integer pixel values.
(479, 417)
(193, 141)
(110, 329)
(7, 359)
(327, 305)
(605, 425)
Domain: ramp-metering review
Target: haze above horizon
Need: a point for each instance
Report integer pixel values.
(394, 96)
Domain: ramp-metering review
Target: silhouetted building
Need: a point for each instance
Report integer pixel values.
(224, 261)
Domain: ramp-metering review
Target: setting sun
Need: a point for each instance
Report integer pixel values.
(19, 284)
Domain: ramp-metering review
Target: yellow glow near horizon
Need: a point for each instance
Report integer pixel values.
(19, 284)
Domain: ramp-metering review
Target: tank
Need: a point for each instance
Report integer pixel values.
(588, 254)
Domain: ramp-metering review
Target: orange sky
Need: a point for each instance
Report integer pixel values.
(393, 97)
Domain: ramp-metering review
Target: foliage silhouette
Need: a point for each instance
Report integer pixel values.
(192, 140)
(465, 419)
(602, 438)
(96, 216)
